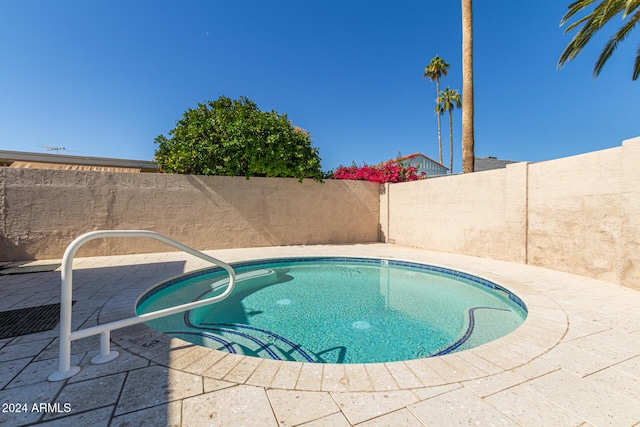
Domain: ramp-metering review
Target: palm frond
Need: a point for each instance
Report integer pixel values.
(631, 5)
(574, 8)
(612, 44)
(592, 23)
(588, 25)
(448, 100)
(436, 68)
(636, 65)
(577, 23)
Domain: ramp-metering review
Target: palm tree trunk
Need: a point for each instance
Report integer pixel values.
(450, 143)
(439, 134)
(468, 157)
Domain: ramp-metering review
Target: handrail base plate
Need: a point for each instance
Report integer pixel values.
(59, 376)
(97, 360)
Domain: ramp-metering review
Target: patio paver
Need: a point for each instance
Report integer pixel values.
(575, 360)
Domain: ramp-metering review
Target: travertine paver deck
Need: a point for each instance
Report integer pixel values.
(575, 361)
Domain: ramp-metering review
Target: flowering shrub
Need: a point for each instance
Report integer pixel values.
(386, 173)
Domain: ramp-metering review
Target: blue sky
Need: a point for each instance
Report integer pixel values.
(104, 78)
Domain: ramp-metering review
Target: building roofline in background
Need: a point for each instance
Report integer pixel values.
(9, 157)
(408, 157)
(489, 163)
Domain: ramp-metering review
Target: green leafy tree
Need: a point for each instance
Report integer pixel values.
(235, 138)
(436, 69)
(448, 100)
(593, 21)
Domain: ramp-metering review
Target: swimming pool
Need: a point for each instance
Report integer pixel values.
(337, 310)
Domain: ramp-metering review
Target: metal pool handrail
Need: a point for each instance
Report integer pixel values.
(66, 336)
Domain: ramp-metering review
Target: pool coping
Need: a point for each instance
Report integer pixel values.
(544, 328)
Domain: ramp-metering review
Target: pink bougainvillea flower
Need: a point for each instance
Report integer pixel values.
(379, 174)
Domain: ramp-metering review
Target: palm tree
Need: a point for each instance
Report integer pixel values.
(468, 157)
(448, 100)
(436, 69)
(594, 21)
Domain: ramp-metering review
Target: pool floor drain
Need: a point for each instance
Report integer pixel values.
(361, 324)
(283, 302)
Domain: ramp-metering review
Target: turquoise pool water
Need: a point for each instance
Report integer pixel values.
(338, 310)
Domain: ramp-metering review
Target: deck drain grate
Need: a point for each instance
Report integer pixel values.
(29, 269)
(29, 320)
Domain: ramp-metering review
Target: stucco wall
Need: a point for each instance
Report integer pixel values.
(575, 214)
(42, 211)
(630, 205)
(464, 214)
(578, 214)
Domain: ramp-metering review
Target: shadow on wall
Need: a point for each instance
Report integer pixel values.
(277, 211)
(362, 214)
(203, 212)
(9, 251)
(382, 234)
(224, 198)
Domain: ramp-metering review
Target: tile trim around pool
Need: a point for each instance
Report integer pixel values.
(324, 259)
(536, 336)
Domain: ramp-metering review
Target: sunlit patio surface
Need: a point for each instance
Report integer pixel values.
(575, 361)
